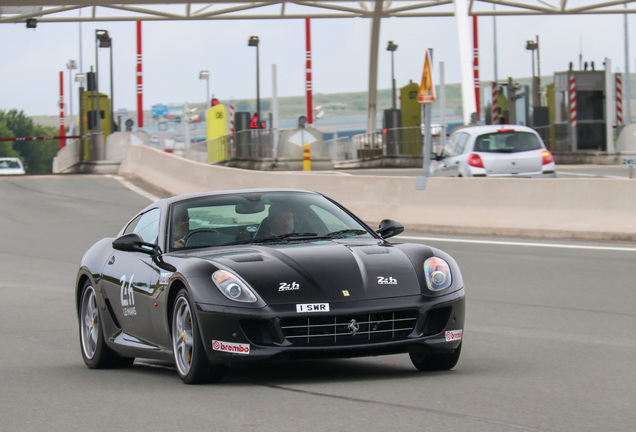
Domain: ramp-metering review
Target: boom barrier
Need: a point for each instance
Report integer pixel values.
(41, 138)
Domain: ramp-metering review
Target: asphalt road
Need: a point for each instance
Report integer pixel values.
(549, 343)
(563, 171)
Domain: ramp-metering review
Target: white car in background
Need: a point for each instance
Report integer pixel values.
(494, 151)
(11, 166)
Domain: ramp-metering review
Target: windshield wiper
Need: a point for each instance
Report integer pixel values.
(275, 239)
(345, 233)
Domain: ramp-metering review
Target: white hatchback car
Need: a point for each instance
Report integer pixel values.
(494, 151)
(11, 166)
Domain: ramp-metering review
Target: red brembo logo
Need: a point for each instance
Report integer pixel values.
(230, 347)
(453, 335)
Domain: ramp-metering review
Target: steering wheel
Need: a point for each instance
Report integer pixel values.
(201, 237)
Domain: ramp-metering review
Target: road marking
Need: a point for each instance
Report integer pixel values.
(528, 244)
(134, 188)
(566, 173)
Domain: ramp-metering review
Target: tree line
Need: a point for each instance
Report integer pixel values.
(37, 156)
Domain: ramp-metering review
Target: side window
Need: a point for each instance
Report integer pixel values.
(462, 139)
(450, 145)
(146, 225)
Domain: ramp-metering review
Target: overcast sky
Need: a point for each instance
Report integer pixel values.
(175, 52)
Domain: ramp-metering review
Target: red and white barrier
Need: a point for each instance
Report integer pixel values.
(62, 131)
(573, 102)
(619, 100)
(495, 109)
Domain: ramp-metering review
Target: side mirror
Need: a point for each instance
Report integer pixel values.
(389, 228)
(133, 243)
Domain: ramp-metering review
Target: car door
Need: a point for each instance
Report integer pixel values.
(130, 280)
(450, 165)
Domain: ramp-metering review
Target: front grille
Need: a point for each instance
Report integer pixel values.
(349, 329)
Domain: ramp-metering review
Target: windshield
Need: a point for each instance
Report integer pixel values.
(507, 142)
(9, 164)
(268, 217)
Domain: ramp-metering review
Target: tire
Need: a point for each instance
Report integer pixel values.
(435, 362)
(95, 352)
(188, 351)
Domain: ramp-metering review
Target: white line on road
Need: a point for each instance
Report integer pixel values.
(528, 244)
(134, 188)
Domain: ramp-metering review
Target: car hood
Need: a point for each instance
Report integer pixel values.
(322, 271)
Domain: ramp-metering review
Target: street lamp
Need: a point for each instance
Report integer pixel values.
(206, 76)
(103, 40)
(70, 66)
(253, 42)
(392, 48)
(533, 46)
(80, 78)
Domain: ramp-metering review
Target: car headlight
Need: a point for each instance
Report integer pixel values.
(232, 287)
(438, 274)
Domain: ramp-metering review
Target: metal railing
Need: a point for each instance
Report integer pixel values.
(259, 144)
(248, 144)
(393, 142)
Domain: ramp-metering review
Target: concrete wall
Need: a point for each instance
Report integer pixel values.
(597, 209)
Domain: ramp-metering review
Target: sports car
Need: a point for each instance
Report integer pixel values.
(211, 280)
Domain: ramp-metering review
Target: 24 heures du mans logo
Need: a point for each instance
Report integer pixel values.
(288, 286)
(387, 280)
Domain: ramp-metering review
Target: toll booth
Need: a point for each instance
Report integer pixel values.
(97, 107)
(411, 116)
(579, 111)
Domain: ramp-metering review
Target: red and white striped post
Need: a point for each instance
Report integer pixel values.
(232, 128)
(619, 101)
(140, 105)
(476, 64)
(495, 108)
(573, 112)
(62, 131)
(309, 83)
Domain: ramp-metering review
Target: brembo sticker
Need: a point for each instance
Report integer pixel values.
(230, 347)
(453, 335)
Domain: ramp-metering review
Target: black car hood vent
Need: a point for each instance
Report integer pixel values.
(324, 272)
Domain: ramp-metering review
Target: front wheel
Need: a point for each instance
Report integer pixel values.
(435, 362)
(192, 364)
(95, 352)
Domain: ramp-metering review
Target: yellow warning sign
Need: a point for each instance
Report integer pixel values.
(427, 88)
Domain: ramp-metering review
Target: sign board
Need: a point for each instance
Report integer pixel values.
(629, 160)
(427, 87)
(302, 137)
(160, 110)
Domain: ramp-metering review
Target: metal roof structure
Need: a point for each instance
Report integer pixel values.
(12, 11)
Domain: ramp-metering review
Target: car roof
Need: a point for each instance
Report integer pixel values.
(483, 129)
(178, 198)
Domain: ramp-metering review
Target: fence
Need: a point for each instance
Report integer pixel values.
(247, 144)
(259, 144)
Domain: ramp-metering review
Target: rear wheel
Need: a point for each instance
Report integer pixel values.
(95, 352)
(192, 364)
(435, 362)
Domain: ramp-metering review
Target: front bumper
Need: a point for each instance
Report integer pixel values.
(349, 329)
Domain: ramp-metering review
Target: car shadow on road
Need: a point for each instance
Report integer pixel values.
(309, 371)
